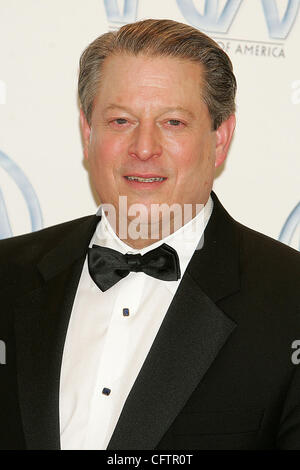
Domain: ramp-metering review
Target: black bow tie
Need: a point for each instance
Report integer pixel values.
(107, 266)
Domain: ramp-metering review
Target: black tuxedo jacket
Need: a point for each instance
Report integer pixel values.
(219, 374)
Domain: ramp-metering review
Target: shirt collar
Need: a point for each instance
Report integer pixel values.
(185, 240)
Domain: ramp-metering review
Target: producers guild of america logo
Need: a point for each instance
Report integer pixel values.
(213, 20)
(290, 233)
(23, 186)
(217, 17)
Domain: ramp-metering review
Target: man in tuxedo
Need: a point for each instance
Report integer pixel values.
(151, 340)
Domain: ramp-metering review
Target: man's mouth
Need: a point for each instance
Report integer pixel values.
(145, 179)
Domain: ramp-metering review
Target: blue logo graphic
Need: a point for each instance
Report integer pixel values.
(216, 22)
(290, 227)
(280, 29)
(115, 16)
(28, 193)
(210, 20)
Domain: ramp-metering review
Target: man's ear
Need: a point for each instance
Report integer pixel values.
(224, 135)
(86, 131)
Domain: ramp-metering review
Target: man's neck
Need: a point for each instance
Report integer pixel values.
(138, 234)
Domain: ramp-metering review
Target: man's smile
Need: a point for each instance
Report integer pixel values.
(145, 181)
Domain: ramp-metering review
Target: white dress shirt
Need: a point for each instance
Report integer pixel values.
(105, 347)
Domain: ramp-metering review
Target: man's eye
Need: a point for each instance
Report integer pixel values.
(175, 122)
(120, 121)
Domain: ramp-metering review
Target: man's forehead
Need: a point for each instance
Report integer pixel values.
(154, 75)
(124, 86)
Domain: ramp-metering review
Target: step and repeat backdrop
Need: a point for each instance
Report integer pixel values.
(43, 180)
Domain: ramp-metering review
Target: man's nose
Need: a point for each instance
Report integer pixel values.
(145, 142)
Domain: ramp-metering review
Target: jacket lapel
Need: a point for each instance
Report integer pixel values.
(41, 321)
(190, 338)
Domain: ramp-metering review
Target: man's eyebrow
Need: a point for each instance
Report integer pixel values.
(178, 108)
(116, 106)
(163, 111)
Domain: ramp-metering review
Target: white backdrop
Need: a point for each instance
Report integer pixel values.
(42, 177)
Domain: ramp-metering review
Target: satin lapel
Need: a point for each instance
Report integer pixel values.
(190, 338)
(215, 267)
(41, 321)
